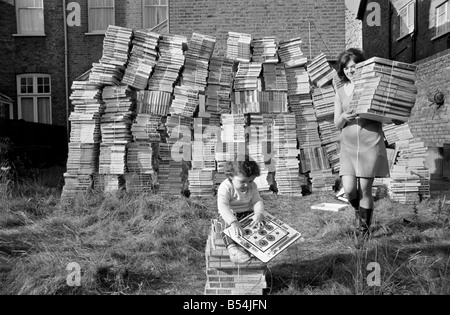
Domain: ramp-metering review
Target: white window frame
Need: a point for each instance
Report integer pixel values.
(92, 8)
(446, 13)
(38, 5)
(407, 26)
(35, 95)
(146, 5)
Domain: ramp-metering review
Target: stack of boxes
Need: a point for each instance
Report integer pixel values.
(225, 277)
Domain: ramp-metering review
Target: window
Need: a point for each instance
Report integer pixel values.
(34, 98)
(443, 19)
(155, 12)
(406, 16)
(30, 17)
(101, 15)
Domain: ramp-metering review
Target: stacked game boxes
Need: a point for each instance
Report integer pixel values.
(116, 48)
(264, 50)
(291, 54)
(384, 90)
(201, 176)
(84, 145)
(152, 106)
(116, 133)
(140, 163)
(307, 125)
(285, 155)
(167, 70)
(320, 72)
(313, 159)
(273, 102)
(194, 75)
(257, 147)
(185, 101)
(143, 58)
(172, 176)
(323, 99)
(232, 142)
(198, 55)
(246, 86)
(273, 97)
(239, 47)
(410, 176)
(274, 77)
(224, 277)
(218, 90)
(332, 151)
(329, 133)
(322, 180)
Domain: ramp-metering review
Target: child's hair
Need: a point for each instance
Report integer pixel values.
(243, 166)
(355, 54)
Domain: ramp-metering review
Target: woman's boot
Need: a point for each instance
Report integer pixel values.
(355, 204)
(365, 220)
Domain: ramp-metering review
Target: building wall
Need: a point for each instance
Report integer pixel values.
(28, 54)
(428, 122)
(319, 22)
(384, 40)
(84, 48)
(324, 20)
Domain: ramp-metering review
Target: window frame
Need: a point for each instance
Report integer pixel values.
(18, 8)
(446, 5)
(410, 26)
(145, 6)
(35, 95)
(91, 7)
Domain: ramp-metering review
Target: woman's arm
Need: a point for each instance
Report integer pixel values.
(341, 117)
(339, 122)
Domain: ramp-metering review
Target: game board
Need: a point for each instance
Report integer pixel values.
(268, 241)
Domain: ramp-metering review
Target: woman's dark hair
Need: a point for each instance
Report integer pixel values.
(355, 54)
(243, 166)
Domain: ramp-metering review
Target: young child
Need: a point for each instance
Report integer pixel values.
(237, 197)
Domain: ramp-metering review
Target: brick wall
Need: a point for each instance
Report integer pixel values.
(384, 40)
(28, 54)
(84, 48)
(283, 19)
(432, 125)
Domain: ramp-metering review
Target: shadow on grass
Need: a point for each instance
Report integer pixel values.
(405, 268)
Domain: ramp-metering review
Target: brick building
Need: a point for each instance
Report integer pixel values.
(416, 31)
(46, 45)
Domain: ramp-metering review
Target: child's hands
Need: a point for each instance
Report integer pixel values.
(257, 221)
(236, 228)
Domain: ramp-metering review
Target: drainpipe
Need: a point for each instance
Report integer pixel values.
(66, 68)
(414, 34)
(309, 38)
(390, 31)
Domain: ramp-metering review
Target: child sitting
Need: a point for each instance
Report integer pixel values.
(237, 197)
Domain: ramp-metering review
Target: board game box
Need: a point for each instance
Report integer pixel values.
(268, 241)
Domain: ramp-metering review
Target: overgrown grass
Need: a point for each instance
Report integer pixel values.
(151, 244)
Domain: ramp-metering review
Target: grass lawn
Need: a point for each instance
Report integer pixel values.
(151, 244)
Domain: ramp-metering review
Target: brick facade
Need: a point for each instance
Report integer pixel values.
(384, 40)
(324, 20)
(430, 123)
